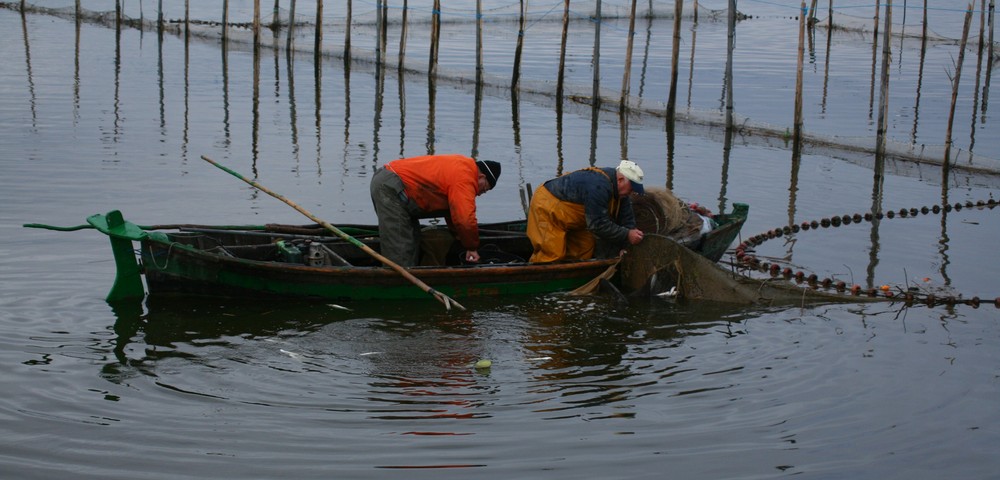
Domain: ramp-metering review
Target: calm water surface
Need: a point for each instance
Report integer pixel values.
(579, 388)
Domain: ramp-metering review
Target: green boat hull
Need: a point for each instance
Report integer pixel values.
(265, 261)
(170, 268)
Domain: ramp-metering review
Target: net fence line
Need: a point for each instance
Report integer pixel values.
(542, 90)
(277, 13)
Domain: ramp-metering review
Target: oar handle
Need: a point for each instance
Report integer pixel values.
(446, 300)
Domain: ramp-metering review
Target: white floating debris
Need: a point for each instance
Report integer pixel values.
(291, 354)
(338, 307)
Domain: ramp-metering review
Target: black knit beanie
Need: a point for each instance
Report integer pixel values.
(491, 169)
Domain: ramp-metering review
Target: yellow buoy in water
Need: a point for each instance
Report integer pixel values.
(483, 364)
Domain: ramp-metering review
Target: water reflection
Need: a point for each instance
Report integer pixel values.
(293, 116)
(76, 70)
(27, 64)
(255, 117)
(878, 186)
(920, 81)
(431, 108)
(408, 362)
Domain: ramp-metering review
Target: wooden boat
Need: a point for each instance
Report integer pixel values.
(307, 261)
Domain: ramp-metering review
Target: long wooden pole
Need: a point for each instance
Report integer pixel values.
(347, 32)
(798, 73)
(626, 76)
(402, 39)
(318, 48)
(225, 20)
(597, 58)
(883, 103)
(989, 56)
(479, 43)
(731, 45)
(871, 93)
(515, 82)
(291, 27)
(275, 22)
(256, 23)
(674, 56)
(446, 300)
(435, 35)
(562, 55)
(382, 34)
(954, 86)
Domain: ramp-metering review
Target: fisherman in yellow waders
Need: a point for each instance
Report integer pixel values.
(568, 212)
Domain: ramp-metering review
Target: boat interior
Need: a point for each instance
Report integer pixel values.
(315, 246)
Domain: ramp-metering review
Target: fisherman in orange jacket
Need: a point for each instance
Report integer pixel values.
(567, 212)
(408, 189)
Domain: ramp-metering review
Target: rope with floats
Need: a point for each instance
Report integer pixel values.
(746, 259)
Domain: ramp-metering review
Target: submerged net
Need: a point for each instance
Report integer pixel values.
(659, 266)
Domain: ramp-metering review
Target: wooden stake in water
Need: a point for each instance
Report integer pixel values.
(562, 56)
(989, 62)
(225, 20)
(347, 32)
(291, 27)
(435, 35)
(798, 73)
(729, 63)
(883, 103)
(256, 23)
(516, 80)
(596, 96)
(402, 37)
(383, 30)
(628, 61)
(275, 23)
(871, 89)
(479, 42)
(954, 84)
(318, 47)
(674, 57)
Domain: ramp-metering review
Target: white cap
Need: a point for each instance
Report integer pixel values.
(631, 171)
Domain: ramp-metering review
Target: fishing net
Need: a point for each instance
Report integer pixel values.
(659, 266)
(659, 211)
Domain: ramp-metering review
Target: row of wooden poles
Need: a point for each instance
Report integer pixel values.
(382, 35)
(806, 13)
(886, 58)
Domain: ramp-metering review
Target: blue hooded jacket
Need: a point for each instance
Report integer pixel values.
(594, 191)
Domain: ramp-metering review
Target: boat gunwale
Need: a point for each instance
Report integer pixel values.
(382, 271)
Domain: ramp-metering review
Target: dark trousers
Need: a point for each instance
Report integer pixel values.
(398, 224)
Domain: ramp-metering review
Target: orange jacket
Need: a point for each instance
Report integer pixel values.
(444, 185)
